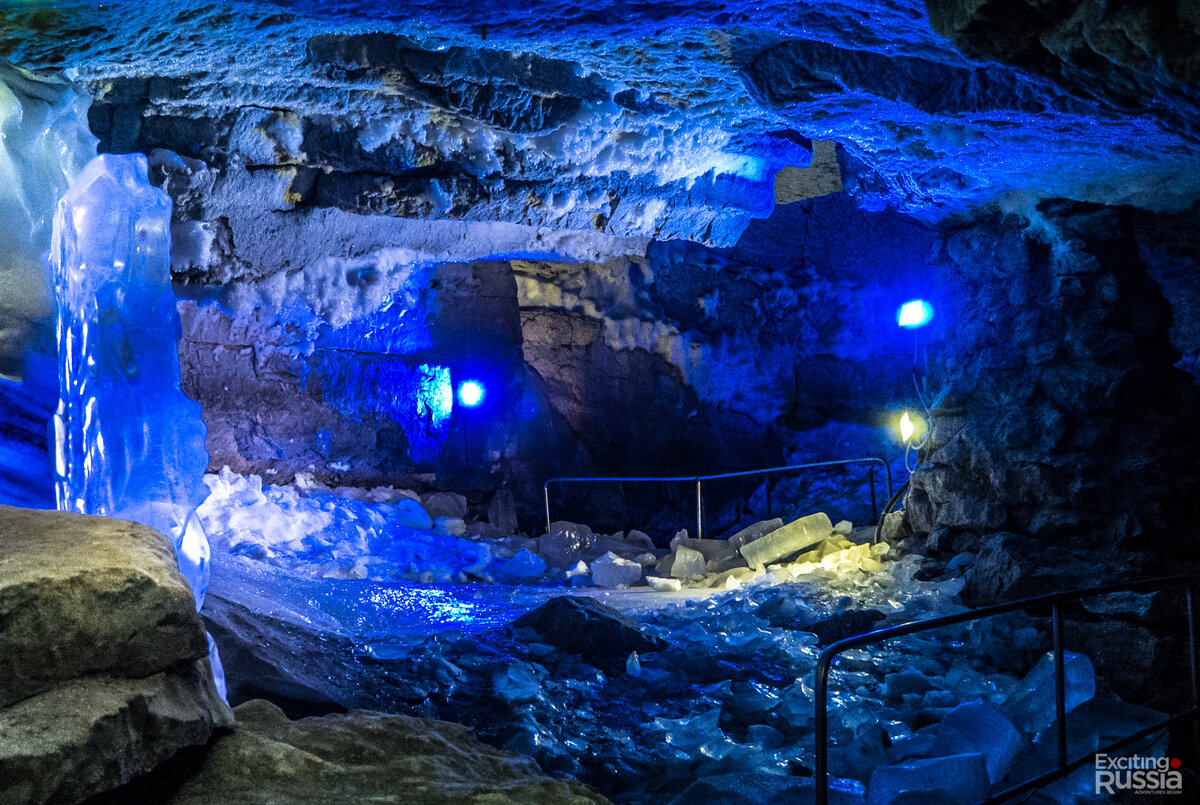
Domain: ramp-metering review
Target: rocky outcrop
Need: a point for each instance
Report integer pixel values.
(103, 659)
(1059, 413)
(600, 635)
(365, 756)
(1120, 54)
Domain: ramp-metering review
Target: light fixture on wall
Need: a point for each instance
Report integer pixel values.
(914, 313)
(470, 393)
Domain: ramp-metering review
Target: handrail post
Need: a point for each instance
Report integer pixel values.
(1060, 686)
(821, 729)
(874, 503)
(1189, 588)
(699, 511)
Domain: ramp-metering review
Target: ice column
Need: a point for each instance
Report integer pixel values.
(128, 443)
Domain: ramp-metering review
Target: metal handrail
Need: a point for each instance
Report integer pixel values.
(700, 479)
(1065, 767)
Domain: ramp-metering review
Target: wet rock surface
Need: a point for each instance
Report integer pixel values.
(103, 659)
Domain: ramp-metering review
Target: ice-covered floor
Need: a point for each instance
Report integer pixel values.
(723, 705)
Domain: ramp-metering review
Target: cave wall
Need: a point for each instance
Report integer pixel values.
(684, 360)
(1064, 448)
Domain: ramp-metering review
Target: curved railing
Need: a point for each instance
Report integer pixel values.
(1064, 766)
(699, 480)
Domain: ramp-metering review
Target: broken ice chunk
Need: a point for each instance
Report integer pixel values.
(664, 585)
(794, 537)
(517, 683)
(908, 681)
(963, 777)
(1031, 705)
(691, 730)
(753, 532)
(688, 564)
(523, 567)
(611, 570)
(979, 727)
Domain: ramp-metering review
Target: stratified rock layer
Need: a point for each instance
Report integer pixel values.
(103, 659)
(366, 757)
(87, 595)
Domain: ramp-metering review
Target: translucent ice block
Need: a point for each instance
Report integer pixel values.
(1031, 705)
(792, 538)
(128, 443)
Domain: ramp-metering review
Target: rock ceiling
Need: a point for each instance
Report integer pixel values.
(629, 120)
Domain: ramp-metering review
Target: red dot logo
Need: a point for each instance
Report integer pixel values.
(1175, 763)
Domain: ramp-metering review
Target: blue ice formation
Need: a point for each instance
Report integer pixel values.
(127, 442)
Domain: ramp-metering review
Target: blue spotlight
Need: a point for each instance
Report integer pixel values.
(915, 313)
(470, 393)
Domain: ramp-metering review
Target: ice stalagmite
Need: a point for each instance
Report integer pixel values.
(128, 443)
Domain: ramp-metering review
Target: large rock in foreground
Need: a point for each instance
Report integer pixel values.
(366, 757)
(103, 669)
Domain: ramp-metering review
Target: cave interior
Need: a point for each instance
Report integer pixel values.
(575, 374)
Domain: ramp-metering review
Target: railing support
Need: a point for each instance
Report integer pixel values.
(1064, 766)
(698, 480)
(1060, 686)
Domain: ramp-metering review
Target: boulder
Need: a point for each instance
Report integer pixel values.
(502, 511)
(611, 570)
(88, 595)
(444, 504)
(103, 658)
(88, 736)
(599, 634)
(565, 544)
(365, 756)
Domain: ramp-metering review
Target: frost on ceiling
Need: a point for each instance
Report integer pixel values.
(641, 119)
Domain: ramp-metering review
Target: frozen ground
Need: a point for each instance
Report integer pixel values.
(719, 708)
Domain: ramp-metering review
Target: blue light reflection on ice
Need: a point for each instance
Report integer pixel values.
(435, 393)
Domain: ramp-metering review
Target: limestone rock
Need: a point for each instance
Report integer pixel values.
(88, 595)
(366, 757)
(91, 735)
(103, 659)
